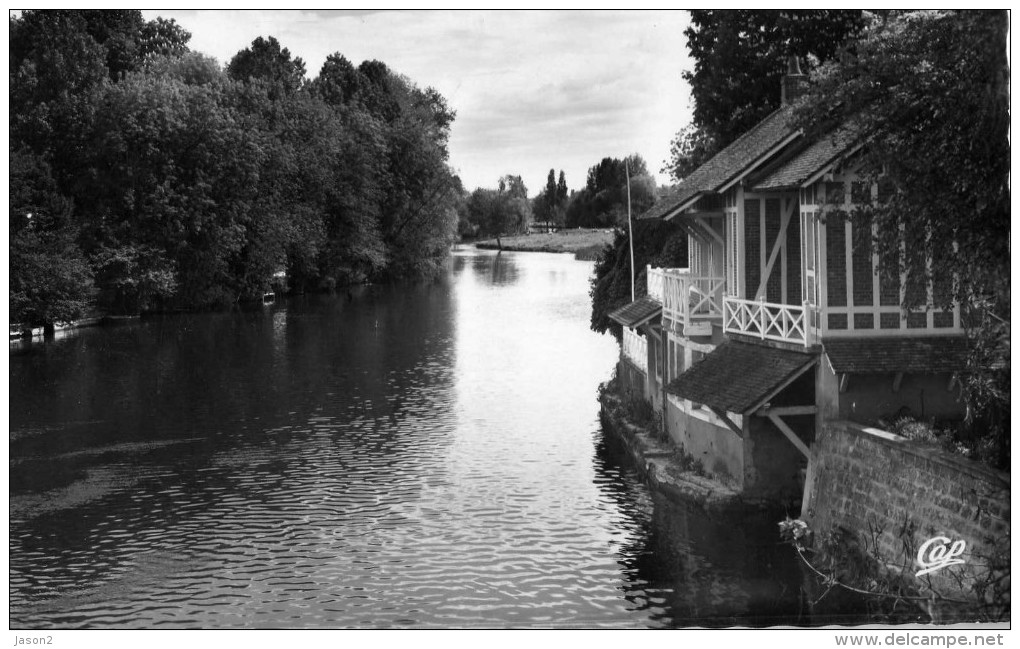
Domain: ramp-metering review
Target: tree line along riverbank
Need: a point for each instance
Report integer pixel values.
(145, 176)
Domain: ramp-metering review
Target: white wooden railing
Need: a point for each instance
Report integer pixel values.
(635, 348)
(656, 277)
(765, 320)
(686, 299)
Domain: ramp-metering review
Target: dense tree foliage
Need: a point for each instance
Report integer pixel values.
(603, 201)
(928, 93)
(163, 181)
(739, 60)
(661, 244)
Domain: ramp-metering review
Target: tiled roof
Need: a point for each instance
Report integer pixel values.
(729, 162)
(737, 377)
(637, 312)
(885, 355)
(800, 167)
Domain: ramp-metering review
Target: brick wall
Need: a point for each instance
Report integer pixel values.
(752, 245)
(793, 261)
(835, 251)
(864, 290)
(868, 481)
(773, 219)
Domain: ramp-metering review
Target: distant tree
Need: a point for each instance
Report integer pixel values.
(561, 191)
(549, 196)
(502, 211)
(603, 201)
(550, 206)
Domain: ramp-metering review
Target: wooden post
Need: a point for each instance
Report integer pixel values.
(630, 228)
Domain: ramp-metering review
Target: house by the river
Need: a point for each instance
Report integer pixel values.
(782, 322)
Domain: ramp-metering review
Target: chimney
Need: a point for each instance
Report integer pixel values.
(795, 82)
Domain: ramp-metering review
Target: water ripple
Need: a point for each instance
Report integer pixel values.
(423, 457)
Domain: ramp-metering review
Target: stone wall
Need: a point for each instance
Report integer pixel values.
(896, 494)
(632, 381)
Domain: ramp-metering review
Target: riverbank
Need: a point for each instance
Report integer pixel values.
(663, 466)
(583, 243)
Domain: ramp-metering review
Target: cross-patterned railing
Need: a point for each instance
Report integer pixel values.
(635, 348)
(782, 322)
(686, 298)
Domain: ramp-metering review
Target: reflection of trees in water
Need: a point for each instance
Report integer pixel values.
(687, 568)
(278, 396)
(503, 269)
(488, 267)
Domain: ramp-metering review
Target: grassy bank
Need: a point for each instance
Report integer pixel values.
(582, 242)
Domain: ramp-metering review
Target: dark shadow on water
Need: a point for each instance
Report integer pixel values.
(689, 568)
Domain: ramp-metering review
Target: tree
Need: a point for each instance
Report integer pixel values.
(928, 94)
(502, 211)
(417, 211)
(656, 242)
(690, 148)
(172, 167)
(267, 61)
(50, 280)
(161, 37)
(603, 201)
(740, 57)
(550, 206)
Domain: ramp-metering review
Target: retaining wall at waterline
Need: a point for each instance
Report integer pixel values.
(898, 495)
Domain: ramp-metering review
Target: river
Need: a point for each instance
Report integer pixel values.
(424, 456)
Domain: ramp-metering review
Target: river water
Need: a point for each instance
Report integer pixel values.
(422, 455)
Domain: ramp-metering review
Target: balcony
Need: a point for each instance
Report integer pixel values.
(786, 323)
(689, 302)
(635, 349)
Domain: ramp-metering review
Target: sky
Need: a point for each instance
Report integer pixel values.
(533, 90)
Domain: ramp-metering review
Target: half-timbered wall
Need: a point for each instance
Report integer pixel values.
(854, 296)
(768, 252)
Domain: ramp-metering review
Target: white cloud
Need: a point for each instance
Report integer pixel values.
(533, 90)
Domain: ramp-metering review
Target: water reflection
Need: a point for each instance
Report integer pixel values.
(425, 455)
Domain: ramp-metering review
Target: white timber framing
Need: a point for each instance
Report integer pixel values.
(692, 231)
(701, 218)
(788, 206)
(852, 307)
